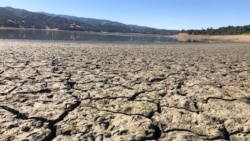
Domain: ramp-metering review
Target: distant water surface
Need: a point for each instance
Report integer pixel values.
(82, 36)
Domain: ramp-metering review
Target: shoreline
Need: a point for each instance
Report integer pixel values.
(213, 38)
(181, 37)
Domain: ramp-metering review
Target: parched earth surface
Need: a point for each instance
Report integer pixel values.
(71, 91)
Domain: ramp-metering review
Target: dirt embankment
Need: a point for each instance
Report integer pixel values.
(183, 37)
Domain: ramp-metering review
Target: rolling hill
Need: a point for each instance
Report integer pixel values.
(19, 18)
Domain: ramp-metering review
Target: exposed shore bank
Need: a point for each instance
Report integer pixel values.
(213, 38)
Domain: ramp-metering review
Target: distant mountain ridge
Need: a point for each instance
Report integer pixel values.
(19, 18)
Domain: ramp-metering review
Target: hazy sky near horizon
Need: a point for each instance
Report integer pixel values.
(165, 14)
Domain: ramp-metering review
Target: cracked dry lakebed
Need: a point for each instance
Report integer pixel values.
(74, 91)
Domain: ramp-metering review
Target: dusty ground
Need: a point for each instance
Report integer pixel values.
(79, 91)
(213, 38)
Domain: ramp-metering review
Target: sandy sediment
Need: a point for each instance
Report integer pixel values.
(183, 37)
(81, 91)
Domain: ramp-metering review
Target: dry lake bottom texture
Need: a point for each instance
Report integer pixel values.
(65, 91)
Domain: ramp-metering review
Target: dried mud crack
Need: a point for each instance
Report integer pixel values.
(63, 91)
(52, 123)
(15, 112)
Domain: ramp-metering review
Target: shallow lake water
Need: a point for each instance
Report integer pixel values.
(83, 36)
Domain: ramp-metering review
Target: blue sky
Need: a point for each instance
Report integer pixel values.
(165, 14)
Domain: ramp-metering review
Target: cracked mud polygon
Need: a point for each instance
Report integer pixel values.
(70, 91)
